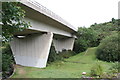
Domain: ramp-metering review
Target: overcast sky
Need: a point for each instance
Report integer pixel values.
(83, 12)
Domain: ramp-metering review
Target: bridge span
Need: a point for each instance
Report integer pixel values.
(31, 47)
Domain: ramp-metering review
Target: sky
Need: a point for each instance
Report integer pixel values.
(81, 13)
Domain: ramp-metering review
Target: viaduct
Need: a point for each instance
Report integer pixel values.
(31, 47)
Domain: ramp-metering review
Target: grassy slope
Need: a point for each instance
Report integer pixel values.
(70, 68)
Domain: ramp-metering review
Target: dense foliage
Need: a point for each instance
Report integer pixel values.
(107, 28)
(108, 49)
(54, 56)
(7, 61)
(96, 70)
(113, 71)
(12, 19)
(87, 37)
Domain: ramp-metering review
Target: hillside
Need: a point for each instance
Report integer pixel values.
(69, 68)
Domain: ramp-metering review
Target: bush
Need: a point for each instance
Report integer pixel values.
(7, 61)
(112, 72)
(108, 49)
(115, 68)
(53, 56)
(80, 45)
(96, 70)
(66, 53)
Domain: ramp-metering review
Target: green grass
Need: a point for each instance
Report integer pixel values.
(69, 68)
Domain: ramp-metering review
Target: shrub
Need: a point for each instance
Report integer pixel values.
(112, 72)
(108, 49)
(7, 61)
(96, 70)
(115, 68)
(80, 45)
(53, 56)
(66, 53)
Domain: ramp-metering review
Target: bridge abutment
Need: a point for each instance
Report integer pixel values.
(61, 44)
(33, 50)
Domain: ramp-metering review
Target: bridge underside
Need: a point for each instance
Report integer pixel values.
(33, 49)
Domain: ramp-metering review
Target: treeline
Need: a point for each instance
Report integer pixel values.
(103, 35)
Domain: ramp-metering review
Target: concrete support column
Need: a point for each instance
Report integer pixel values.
(61, 44)
(33, 50)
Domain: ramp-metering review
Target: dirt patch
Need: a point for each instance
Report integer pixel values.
(75, 62)
(20, 69)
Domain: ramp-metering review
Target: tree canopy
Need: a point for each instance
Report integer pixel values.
(12, 19)
(92, 36)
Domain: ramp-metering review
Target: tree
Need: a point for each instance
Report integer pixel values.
(113, 20)
(107, 28)
(87, 37)
(108, 49)
(12, 19)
